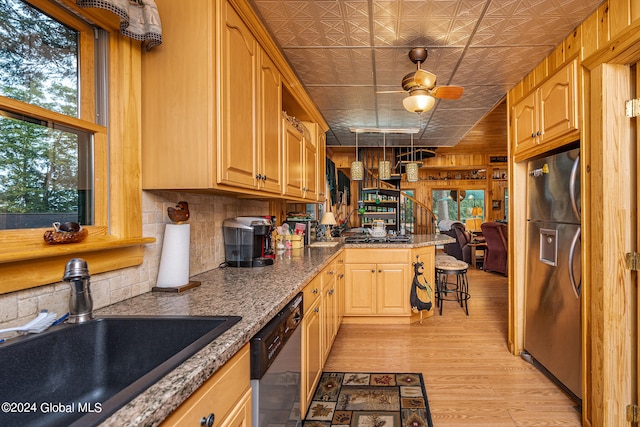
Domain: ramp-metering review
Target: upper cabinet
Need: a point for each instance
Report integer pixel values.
(212, 106)
(548, 117)
(249, 149)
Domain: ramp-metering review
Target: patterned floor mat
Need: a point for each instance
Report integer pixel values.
(369, 400)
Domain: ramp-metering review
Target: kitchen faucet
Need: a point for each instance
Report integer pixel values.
(77, 274)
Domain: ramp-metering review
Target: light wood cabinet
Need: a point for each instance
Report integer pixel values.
(249, 152)
(301, 158)
(225, 397)
(293, 156)
(312, 345)
(212, 108)
(548, 117)
(379, 287)
(376, 289)
(321, 321)
(330, 298)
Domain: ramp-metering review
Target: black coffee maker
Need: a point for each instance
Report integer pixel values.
(247, 241)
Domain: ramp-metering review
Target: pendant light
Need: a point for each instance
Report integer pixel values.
(357, 168)
(384, 166)
(412, 166)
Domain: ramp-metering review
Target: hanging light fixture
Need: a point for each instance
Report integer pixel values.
(357, 168)
(384, 166)
(412, 166)
(418, 101)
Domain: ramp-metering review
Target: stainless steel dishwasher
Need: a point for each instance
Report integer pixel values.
(275, 368)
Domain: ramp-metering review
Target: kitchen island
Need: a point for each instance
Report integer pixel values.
(256, 294)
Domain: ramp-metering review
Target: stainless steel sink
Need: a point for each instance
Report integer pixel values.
(80, 374)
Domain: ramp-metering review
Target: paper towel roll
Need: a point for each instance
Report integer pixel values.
(174, 261)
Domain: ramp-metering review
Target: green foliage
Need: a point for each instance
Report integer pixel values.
(38, 66)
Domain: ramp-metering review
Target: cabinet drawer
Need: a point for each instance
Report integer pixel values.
(375, 256)
(312, 292)
(218, 395)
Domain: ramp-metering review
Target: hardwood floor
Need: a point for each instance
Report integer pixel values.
(470, 376)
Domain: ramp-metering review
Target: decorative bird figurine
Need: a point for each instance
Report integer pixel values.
(180, 213)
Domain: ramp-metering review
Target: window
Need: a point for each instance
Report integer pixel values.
(104, 187)
(46, 166)
(459, 204)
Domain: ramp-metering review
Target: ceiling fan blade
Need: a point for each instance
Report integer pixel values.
(425, 78)
(447, 92)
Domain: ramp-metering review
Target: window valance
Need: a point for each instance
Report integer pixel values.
(139, 19)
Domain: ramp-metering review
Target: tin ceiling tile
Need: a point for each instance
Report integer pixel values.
(344, 51)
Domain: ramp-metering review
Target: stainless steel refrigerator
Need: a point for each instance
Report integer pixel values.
(553, 279)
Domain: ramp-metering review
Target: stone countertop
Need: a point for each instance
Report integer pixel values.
(256, 294)
(417, 241)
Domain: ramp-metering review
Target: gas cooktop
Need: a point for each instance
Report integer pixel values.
(370, 239)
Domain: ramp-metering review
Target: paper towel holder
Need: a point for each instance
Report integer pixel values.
(178, 215)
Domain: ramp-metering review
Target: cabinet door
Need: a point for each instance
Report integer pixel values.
(321, 169)
(360, 289)
(525, 123)
(559, 104)
(310, 177)
(270, 138)
(237, 162)
(293, 147)
(240, 416)
(329, 304)
(392, 289)
(340, 289)
(312, 354)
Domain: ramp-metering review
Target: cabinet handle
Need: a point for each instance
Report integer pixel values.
(208, 420)
(533, 135)
(316, 310)
(330, 272)
(379, 271)
(264, 177)
(539, 133)
(331, 292)
(341, 276)
(372, 270)
(315, 291)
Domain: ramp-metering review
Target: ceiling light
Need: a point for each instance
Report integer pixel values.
(418, 102)
(384, 166)
(412, 166)
(357, 168)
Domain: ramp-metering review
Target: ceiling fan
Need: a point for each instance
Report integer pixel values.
(421, 86)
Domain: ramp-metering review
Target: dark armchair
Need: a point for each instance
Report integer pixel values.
(496, 257)
(460, 249)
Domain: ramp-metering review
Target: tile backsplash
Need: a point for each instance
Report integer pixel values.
(207, 252)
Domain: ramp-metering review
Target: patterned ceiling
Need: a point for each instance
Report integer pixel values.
(344, 51)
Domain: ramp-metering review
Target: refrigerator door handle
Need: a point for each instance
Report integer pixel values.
(575, 170)
(576, 286)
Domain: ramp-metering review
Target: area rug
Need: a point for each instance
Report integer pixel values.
(369, 400)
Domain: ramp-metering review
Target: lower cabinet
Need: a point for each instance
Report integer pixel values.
(377, 282)
(224, 400)
(323, 302)
(312, 344)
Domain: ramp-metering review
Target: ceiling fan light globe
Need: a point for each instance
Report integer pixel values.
(418, 103)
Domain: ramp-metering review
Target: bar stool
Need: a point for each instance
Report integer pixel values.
(452, 291)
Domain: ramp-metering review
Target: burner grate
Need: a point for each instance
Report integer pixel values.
(370, 239)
